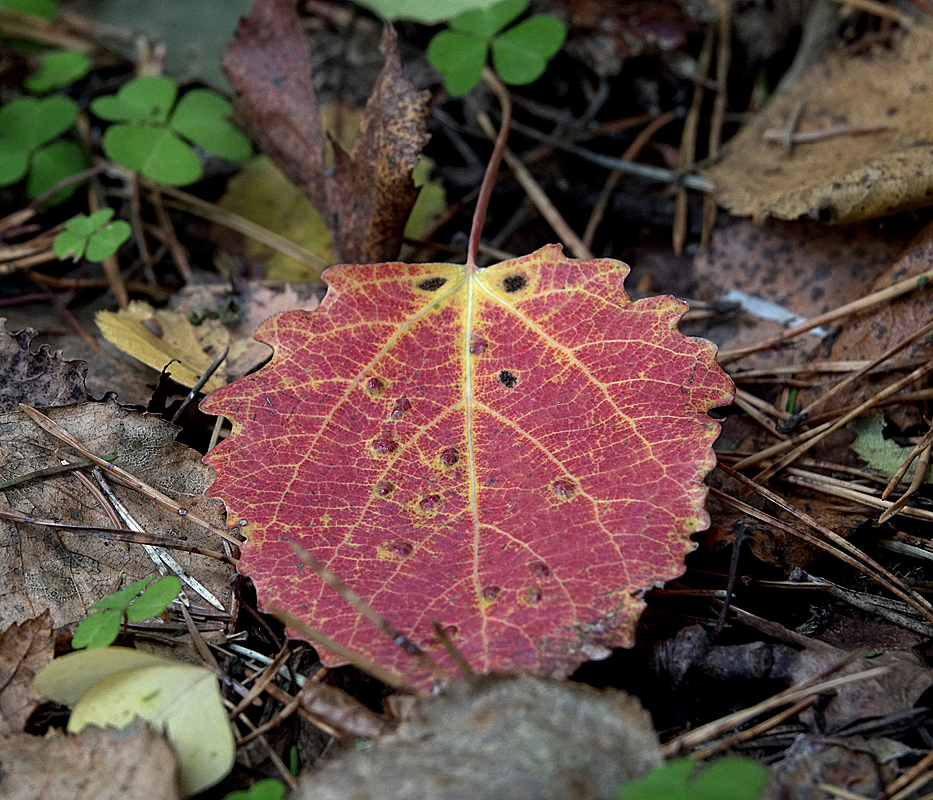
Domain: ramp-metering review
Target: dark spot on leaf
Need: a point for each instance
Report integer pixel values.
(401, 549)
(478, 346)
(392, 162)
(154, 327)
(357, 206)
(430, 502)
(540, 570)
(384, 444)
(432, 284)
(564, 488)
(533, 594)
(383, 488)
(278, 81)
(450, 456)
(490, 593)
(374, 387)
(401, 407)
(514, 283)
(451, 631)
(508, 379)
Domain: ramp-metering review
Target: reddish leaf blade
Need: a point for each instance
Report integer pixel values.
(519, 453)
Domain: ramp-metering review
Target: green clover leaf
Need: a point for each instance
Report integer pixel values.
(141, 599)
(519, 55)
(27, 125)
(59, 68)
(150, 137)
(94, 238)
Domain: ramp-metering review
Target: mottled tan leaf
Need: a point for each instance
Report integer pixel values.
(133, 764)
(850, 176)
(65, 571)
(24, 650)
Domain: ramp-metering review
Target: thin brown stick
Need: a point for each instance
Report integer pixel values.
(889, 390)
(857, 560)
(370, 614)
(901, 782)
(889, 353)
(269, 674)
(121, 475)
(921, 446)
(688, 142)
(797, 692)
(455, 655)
(919, 478)
(388, 676)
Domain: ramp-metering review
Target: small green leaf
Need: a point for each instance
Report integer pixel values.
(731, 779)
(59, 68)
(98, 630)
(69, 245)
(157, 153)
(122, 598)
(460, 58)
(520, 55)
(14, 161)
(201, 117)
(268, 789)
(142, 100)
(54, 163)
(426, 11)
(47, 9)
(107, 241)
(155, 599)
(487, 22)
(668, 782)
(30, 122)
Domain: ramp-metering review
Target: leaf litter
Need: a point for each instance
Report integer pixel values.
(767, 392)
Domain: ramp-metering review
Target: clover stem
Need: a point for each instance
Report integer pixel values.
(492, 169)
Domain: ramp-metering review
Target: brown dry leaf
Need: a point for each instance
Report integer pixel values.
(367, 198)
(805, 268)
(248, 304)
(97, 764)
(502, 737)
(868, 335)
(65, 571)
(894, 692)
(849, 177)
(24, 650)
(37, 379)
(166, 340)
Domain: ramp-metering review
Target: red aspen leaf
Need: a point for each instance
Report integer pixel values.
(518, 452)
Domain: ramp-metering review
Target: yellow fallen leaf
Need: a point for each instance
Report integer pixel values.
(158, 337)
(181, 699)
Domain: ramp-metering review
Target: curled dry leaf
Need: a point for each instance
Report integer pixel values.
(65, 571)
(844, 174)
(37, 379)
(367, 197)
(518, 452)
(140, 765)
(498, 737)
(24, 650)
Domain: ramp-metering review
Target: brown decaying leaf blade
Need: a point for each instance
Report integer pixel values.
(518, 452)
(40, 379)
(849, 176)
(65, 572)
(367, 198)
(24, 650)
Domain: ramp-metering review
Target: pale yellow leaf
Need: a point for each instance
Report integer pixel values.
(158, 337)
